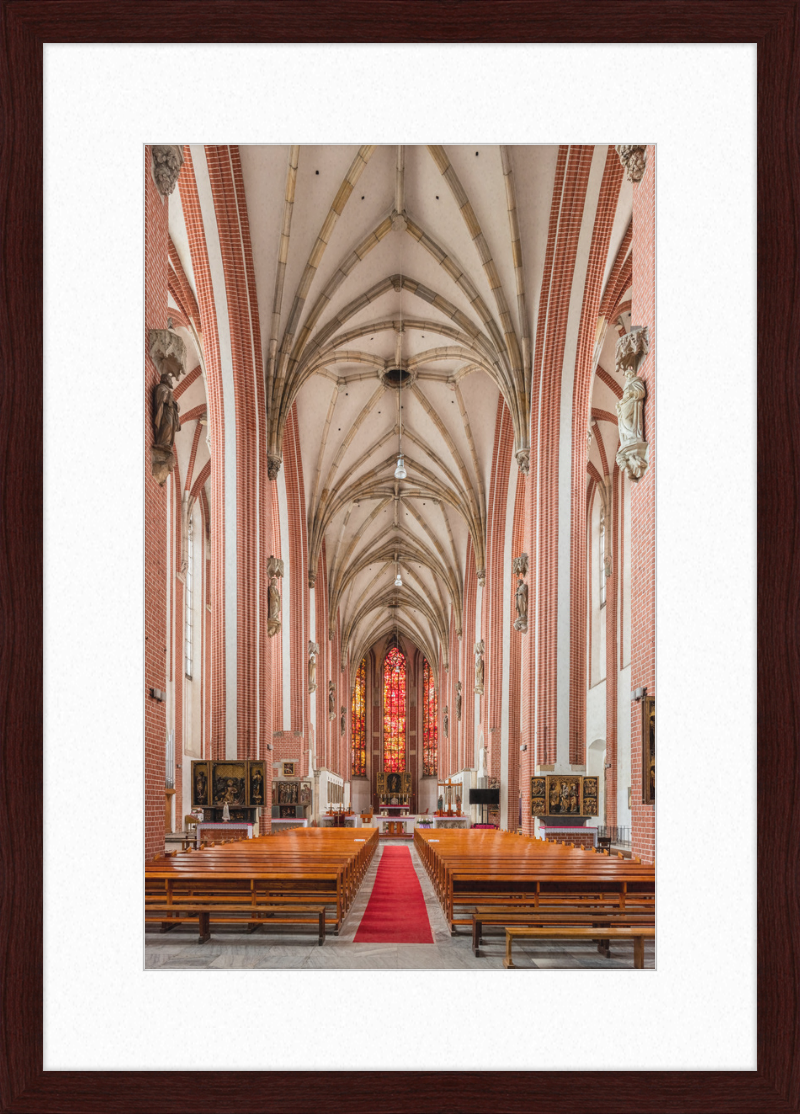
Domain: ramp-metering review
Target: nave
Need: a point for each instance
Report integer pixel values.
(400, 467)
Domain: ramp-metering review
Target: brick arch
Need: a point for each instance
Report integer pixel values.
(598, 255)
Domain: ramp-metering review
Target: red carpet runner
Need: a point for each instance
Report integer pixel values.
(396, 912)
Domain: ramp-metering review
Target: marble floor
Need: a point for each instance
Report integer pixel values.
(230, 949)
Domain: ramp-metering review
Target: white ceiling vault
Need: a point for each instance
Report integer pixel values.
(398, 288)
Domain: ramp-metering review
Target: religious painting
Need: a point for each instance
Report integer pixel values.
(538, 796)
(305, 794)
(257, 783)
(200, 784)
(564, 795)
(649, 750)
(288, 793)
(290, 769)
(229, 783)
(590, 787)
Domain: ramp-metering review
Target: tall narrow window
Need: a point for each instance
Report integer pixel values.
(429, 713)
(358, 722)
(602, 547)
(188, 600)
(394, 712)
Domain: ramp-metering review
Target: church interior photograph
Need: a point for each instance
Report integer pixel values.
(399, 499)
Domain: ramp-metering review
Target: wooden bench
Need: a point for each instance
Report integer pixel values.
(638, 935)
(254, 917)
(567, 915)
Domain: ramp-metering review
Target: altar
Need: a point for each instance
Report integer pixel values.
(238, 829)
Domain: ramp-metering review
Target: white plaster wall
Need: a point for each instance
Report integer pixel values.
(509, 587)
(623, 746)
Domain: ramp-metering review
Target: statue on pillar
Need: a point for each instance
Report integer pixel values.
(632, 452)
(274, 571)
(313, 650)
(458, 701)
(479, 651)
(331, 700)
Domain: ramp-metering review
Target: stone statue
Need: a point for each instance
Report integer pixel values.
(479, 649)
(166, 423)
(313, 650)
(331, 700)
(633, 157)
(521, 600)
(631, 455)
(343, 720)
(274, 571)
(274, 600)
(167, 160)
(447, 722)
(458, 701)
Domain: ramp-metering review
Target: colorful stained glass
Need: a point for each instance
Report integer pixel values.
(429, 722)
(358, 722)
(394, 712)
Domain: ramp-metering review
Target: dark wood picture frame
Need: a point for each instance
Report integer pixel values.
(648, 750)
(775, 27)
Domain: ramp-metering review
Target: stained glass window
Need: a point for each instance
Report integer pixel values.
(394, 712)
(358, 724)
(429, 728)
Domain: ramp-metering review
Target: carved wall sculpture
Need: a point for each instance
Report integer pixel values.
(479, 651)
(313, 650)
(274, 572)
(342, 720)
(458, 700)
(331, 700)
(168, 353)
(520, 568)
(632, 453)
(166, 163)
(634, 158)
(447, 722)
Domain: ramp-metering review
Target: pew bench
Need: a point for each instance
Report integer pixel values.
(254, 917)
(567, 915)
(637, 934)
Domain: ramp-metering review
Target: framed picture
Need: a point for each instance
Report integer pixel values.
(649, 750)
(256, 781)
(589, 804)
(229, 783)
(290, 769)
(199, 784)
(538, 796)
(564, 795)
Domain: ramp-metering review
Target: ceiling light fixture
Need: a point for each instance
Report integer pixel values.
(398, 582)
(400, 471)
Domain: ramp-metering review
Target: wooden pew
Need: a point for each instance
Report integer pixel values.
(573, 932)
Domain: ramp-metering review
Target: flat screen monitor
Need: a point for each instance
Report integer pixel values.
(484, 796)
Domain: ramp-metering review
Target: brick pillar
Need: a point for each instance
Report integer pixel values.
(613, 617)
(156, 259)
(643, 557)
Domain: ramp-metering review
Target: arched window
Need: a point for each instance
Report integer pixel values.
(189, 600)
(429, 714)
(358, 723)
(394, 712)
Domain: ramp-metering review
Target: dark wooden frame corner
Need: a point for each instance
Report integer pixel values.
(774, 26)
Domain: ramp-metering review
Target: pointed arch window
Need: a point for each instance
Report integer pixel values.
(394, 712)
(358, 723)
(429, 718)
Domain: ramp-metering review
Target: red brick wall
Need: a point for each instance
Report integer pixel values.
(598, 255)
(216, 417)
(155, 524)
(468, 646)
(643, 534)
(541, 504)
